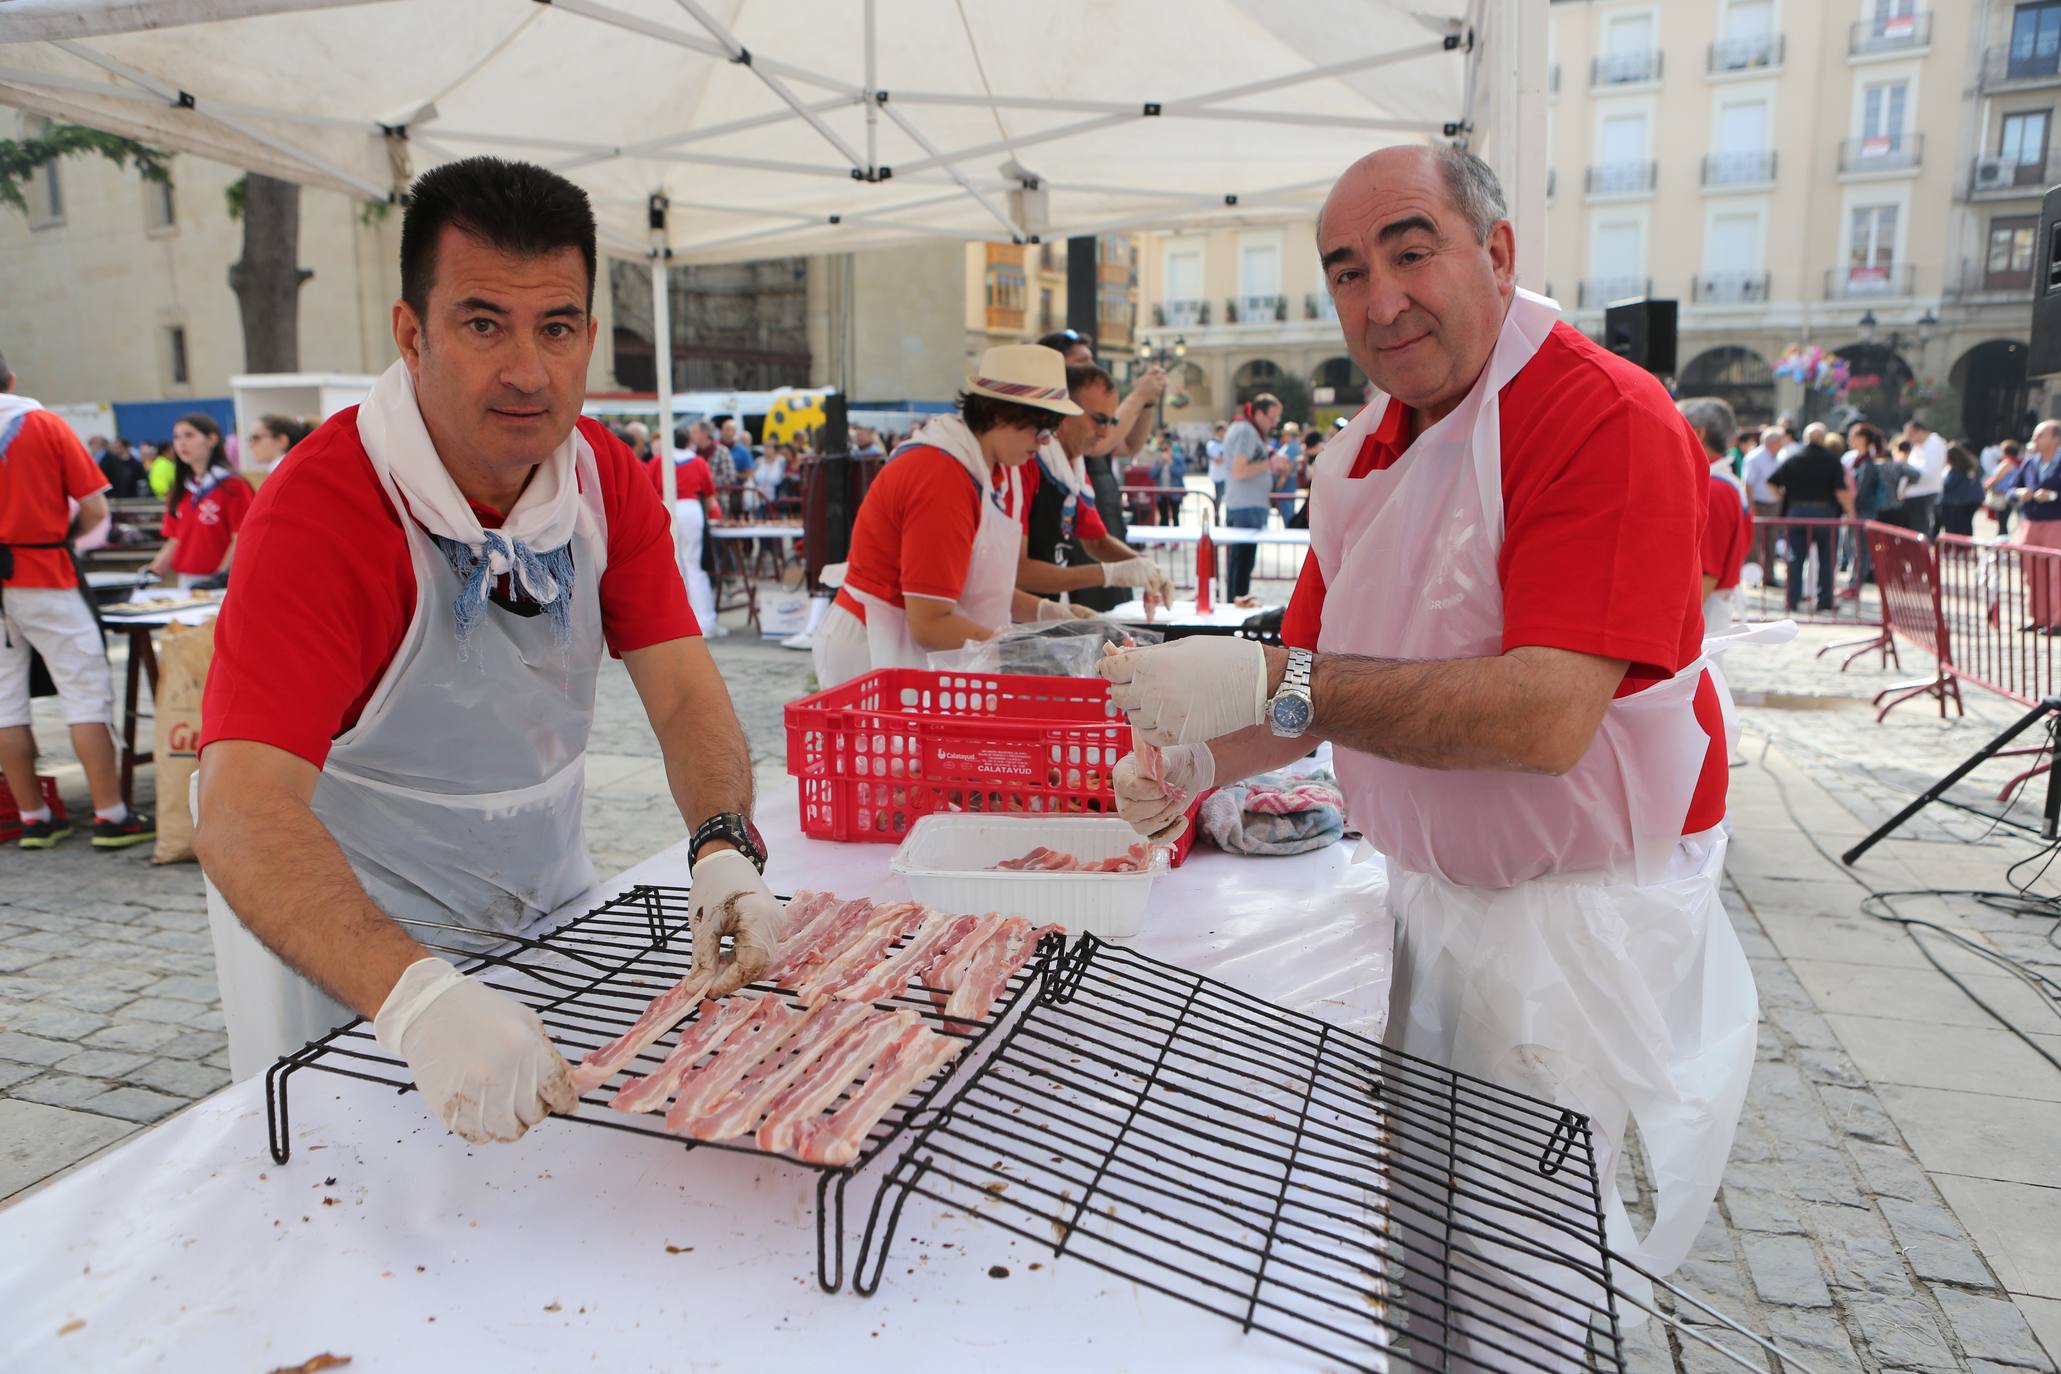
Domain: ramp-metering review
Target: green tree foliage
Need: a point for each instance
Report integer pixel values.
(22, 158)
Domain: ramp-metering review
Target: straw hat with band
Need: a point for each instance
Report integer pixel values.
(1026, 375)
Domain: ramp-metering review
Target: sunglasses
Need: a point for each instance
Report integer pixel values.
(1102, 418)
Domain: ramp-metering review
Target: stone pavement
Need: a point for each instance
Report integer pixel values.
(1893, 1202)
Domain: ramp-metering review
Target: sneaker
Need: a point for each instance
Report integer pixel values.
(43, 834)
(121, 834)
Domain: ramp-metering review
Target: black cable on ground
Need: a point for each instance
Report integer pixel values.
(2020, 902)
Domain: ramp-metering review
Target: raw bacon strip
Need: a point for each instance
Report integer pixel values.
(914, 1056)
(770, 1023)
(803, 909)
(826, 1079)
(666, 1011)
(1136, 859)
(892, 976)
(889, 924)
(718, 1020)
(740, 1111)
(821, 942)
(991, 968)
(949, 975)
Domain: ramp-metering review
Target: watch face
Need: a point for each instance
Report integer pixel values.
(1291, 714)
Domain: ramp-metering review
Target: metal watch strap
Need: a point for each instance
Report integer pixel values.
(1296, 678)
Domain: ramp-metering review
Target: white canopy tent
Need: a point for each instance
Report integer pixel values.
(711, 130)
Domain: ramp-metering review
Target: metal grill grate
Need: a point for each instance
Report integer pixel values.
(588, 981)
(1263, 1165)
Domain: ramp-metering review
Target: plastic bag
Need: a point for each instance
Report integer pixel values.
(1050, 648)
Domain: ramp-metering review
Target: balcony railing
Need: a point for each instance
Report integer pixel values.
(1997, 178)
(1597, 292)
(1898, 33)
(1318, 305)
(1256, 309)
(1976, 280)
(2005, 67)
(1729, 288)
(1846, 283)
(1881, 153)
(1620, 178)
(1625, 68)
(1179, 313)
(1746, 53)
(1739, 169)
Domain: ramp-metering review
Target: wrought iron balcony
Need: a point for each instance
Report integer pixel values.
(1739, 169)
(1729, 288)
(1597, 292)
(1897, 33)
(1847, 283)
(1621, 178)
(1899, 152)
(1625, 68)
(1747, 53)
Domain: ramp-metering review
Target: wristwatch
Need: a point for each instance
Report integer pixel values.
(1291, 711)
(735, 827)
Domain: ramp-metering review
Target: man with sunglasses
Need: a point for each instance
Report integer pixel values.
(1067, 546)
(1098, 468)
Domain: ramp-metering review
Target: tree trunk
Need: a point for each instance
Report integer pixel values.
(267, 281)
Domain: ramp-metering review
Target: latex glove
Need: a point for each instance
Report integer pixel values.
(1160, 585)
(1053, 610)
(1158, 810)
(730, 897)
(1131, 572)
(480, 1058)
(1191, 690)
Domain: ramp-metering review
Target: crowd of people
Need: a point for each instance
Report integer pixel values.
(1918, 481)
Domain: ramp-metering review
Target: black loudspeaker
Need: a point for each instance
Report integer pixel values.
(2045, 359)
(837, 433)
(1642, 332)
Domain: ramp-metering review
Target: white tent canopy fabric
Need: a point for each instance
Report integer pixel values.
(790, 126)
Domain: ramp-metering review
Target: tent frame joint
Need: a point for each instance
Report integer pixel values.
(1152, 109)
(184, 100)
(743, 57)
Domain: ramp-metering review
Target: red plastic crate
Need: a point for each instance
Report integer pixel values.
(10, 814)
(875, 754)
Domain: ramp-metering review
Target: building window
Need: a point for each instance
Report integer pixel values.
(2022, 141)
(1184, 287)
(2008, 264)
(1045, 309)
(1882, 118)
(159, 211)
(175, 355)
(2035, 40)
(1628, 56)
(1871, 258)
(43, 191)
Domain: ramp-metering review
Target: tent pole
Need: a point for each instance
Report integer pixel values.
(662, 350)
(872, 103)
(1510, 133)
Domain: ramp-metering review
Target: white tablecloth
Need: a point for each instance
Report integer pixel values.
(390, 1241)
(1220, 534)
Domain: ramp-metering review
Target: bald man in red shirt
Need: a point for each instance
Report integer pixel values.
(1499, 632)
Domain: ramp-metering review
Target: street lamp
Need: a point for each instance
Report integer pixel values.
(1867, 326)
(1927, 323)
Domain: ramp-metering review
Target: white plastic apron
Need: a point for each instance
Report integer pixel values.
(456, 796)
(990, 584)
(1556, 934)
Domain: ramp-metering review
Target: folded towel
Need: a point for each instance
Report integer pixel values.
(1275, 813)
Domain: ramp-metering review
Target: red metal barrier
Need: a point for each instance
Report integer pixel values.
(1907, 576)
(2002, 603)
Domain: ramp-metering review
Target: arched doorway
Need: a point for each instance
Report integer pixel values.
(1996, 396)
(1337, 387)
(1190, 392)
(1260, 374)
(1875, 389)
(1738, 376)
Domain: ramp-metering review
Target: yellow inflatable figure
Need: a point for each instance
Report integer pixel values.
(793, 415)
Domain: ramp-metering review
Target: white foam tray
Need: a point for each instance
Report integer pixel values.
(948, 859)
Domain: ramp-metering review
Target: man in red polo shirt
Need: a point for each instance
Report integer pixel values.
(1499, 631)
(44, 472)
(396, 718)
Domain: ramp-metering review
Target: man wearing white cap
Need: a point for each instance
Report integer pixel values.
(934, 550)
(1500, 633)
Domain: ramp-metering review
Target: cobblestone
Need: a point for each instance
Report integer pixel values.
(102, 1063)
(28, 1049)
(1785, 1271)
(180, 1078)
(1992, 1329)
(139, 1105)
(135, 1035)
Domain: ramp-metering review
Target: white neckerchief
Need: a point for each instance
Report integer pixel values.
(390, 424)
(949, 432)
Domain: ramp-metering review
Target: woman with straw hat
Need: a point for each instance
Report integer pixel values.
(934, 550)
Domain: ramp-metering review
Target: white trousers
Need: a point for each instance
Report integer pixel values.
(690, 528)
(840, 649)
(55, 622)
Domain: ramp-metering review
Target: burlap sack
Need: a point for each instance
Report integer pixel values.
(182, 674)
